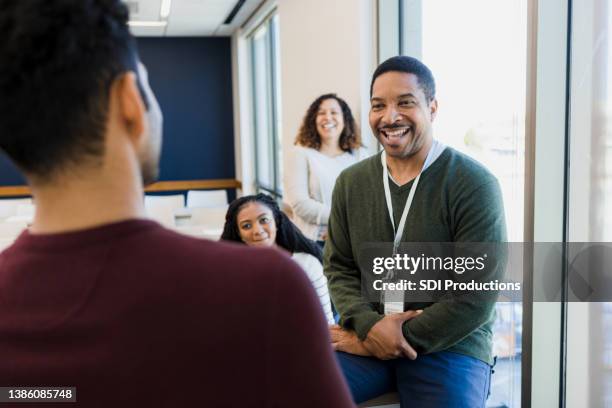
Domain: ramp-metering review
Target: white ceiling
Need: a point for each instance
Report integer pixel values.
(190, 18)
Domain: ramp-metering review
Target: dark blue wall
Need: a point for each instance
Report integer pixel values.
(9, 175)
(192, 79)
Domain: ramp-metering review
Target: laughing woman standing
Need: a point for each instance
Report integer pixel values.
(328, 142)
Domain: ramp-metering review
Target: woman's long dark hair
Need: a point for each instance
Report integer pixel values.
(288, 236)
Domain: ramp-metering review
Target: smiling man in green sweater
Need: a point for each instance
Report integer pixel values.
(416, 190)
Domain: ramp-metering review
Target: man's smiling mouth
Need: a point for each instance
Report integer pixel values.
(395, 134)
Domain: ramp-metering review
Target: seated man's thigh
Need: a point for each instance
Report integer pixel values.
(367, 377)
(443, 380)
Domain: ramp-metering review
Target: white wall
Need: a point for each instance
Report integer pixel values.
(326, 46)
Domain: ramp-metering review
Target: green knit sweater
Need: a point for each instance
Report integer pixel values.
(457, 200)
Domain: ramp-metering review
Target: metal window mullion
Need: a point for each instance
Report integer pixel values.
(566, 198)
(268, 97)
(549, 201)
(273, 102)
(254, 105)
(528, 230)
(400, 23)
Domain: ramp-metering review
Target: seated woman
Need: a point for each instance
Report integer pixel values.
(256, 220)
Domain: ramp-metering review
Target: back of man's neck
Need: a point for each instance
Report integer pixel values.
(77, 206)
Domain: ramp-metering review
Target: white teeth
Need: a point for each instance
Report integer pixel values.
(395, 133)
(329, 126)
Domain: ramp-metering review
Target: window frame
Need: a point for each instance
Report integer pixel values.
(272, 98)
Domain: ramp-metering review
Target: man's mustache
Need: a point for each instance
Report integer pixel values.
(394, 126)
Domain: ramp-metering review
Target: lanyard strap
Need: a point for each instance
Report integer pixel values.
(402, 224)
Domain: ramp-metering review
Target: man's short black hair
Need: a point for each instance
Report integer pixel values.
(58, 60)
(409, 65)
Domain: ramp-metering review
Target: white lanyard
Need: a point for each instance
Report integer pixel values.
(400, 229)
(394, 302)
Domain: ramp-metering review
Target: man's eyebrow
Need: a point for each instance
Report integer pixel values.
(406, 95)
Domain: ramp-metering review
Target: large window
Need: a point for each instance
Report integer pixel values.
(588, 345)
(477, 52)
(266, 107)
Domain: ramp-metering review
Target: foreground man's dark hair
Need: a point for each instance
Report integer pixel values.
(58, 61)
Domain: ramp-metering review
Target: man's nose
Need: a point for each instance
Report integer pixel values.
(390, 115)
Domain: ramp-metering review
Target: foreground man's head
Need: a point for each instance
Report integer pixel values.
(73, 91)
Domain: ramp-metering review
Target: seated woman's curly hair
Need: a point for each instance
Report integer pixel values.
(288, 236)
(308, 136)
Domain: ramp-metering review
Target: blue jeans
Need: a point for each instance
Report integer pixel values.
(437, 380)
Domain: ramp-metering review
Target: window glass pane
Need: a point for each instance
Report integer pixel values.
(589, 325)
(266, 106)
(262, 106)
(606, 329)
(476, 50)
(277, 105)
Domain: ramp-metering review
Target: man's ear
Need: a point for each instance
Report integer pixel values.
(131, 109)
(433, 109)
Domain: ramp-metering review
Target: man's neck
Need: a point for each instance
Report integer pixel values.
(403, 170)
(75, 204)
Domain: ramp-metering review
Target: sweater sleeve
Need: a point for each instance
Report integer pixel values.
(300, 347)
(343, 274)
(478, 219)
(314, 270)
(296, 189)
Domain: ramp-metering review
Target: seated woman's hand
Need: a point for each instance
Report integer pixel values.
(347, 341)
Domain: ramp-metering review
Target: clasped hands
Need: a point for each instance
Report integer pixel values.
(385, 340)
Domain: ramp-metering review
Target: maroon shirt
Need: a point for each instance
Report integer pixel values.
(132, 314)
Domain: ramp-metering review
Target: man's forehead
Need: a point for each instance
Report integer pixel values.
(396, 84)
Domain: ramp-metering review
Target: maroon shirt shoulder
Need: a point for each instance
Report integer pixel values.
(135, 307)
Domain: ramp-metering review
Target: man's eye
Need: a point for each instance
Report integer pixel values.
(406, 103)
(377, 106)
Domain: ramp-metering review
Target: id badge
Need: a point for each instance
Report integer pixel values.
(393, 308)
(393, 300)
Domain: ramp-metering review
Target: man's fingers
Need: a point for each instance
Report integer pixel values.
(408, 351)
(407, 315)
(339, 346)
(372, 348)
(335, 335)
(335, 332)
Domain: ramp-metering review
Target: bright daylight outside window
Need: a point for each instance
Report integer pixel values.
(266, 106)
(477, 52)
(589, 324)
